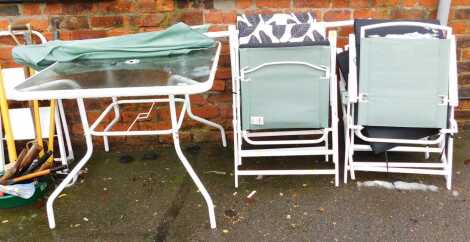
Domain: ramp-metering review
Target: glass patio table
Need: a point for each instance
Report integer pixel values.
(169, 76)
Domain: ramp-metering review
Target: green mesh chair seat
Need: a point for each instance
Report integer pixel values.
(404, 82)
(285, 96)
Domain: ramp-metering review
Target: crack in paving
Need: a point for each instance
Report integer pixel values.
(173, 212)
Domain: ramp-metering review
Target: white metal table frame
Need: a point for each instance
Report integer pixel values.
(90, 130)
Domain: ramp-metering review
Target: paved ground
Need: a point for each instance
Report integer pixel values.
(154, 200)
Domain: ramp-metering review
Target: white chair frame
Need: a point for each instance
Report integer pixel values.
(241, 135)
(443, 144)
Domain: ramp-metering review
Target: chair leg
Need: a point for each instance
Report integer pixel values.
(236, 154)
(346, 150)
(334, 135)
(326, 147)
(235, 175)
(351, 155)
(450, 158)
(427, 154)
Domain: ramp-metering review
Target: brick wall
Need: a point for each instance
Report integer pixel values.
(92, 19)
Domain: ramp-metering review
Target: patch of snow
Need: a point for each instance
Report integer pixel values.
(399, 185)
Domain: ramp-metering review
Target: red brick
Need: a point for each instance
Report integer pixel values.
(4, 23)
(409, 3)
(106, 21)
(206, 111)
(224, 60)
(220, 17)
(215, 28)
(384, 3)
(165, 5)
(199, 99)
(273, 4)
(458, 27)
(207, 4)
(311, 4)
(115, 6)
(83, 34)
(358, 3)
(429, 3)
(5, 52)
(408, 14)
(217, 97)
(53, 8)
(8, 41)
(76, 8)
(31, 9)
(345, 31)
(219, 86)
(464, 66)
(37, 23)
(71, 22)
(463, 14)
(146, 6)
(148, 20)
(223, 73)
(226, 111)
(466, 54)
(119, 31)
(333, 15)
(341, 42)
(243, 4)
(194, 17)
(464, 79)
(460, 3)
(370, 13)
(463, 41)
(340, 3)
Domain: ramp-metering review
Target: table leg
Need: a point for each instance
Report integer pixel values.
(187, 165)
(117, 117)
(205, 121)
(75, 171)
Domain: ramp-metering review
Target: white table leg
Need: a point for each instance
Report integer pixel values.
(117, 117)
(65, 126)
(187, 166)
(205, 121)
(75, 171)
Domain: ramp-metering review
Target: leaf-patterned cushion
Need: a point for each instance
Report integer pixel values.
(280, 29)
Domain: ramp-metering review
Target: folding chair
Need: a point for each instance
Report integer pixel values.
(22, 125)
(284, 90)
(399, 90)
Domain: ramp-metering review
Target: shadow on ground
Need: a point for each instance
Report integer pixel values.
(152, 199)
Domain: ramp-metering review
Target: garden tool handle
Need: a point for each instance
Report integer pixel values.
(35, 174)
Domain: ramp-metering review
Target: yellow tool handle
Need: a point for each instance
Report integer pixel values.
(36, 115)
(12, 156)
(50, 144)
